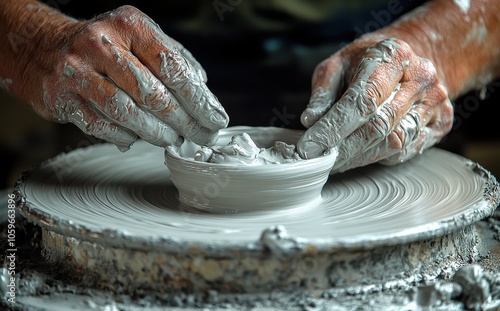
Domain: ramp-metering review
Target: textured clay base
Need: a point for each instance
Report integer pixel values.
(117, 217)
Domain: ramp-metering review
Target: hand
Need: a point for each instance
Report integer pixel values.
(118, 76)
(375, 100)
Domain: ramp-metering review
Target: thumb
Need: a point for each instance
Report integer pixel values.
(326, 84)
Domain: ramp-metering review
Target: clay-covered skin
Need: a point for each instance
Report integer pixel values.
(435, 53)
(242, 150)
(99, 75)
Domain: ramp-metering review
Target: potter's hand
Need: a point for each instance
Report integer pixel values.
(118, 76)
(393, 105)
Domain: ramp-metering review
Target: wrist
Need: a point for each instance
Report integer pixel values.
(36, 43)
(420, 37)
(462, 44)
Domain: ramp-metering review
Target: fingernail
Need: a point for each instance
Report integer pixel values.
(203, 155)
(310, 116)
(311, 150)
(123, 148)
(219, 119)
(307, 118)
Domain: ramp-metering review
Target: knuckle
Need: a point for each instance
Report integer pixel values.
(442, 94)
(174, 67)
(92, 30)
(91, 126)
(363, 101)
(120, 110)
(383, 51)
(388, 116)
(390, 49)
(378, 127)
(366, 105)
(427, 70)
(396, 138)
(71, 58)
(154, 135)
(372, 90)
(127, 11)
(321, 69)
(122, 17)
(324, 70)
(161, 103)
(404, 50)
(68, 66)
(89, 37)
(397, 49)
(447, 116)
(405, 132)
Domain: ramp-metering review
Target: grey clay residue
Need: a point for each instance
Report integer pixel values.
(243, 150)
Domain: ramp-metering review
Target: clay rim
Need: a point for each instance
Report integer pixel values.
(116, 238)
(172, 154)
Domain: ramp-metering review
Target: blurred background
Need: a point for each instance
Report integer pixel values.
(259, 56)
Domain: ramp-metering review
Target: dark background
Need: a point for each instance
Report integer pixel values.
(260, 72)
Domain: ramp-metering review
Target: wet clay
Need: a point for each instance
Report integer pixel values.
(128, 228)
(243, 150)
(251, 169)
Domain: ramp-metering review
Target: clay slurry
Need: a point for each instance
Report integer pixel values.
(242, 150)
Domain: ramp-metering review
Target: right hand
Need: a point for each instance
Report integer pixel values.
(118, 76)
(375, 100)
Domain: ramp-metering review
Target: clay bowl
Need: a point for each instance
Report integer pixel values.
(229, 188)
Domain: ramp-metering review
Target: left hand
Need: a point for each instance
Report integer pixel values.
(375, 100)
(118, 77)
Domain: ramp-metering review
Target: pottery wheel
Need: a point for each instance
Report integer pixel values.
(117, 215)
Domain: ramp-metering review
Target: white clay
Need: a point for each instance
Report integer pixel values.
(68, 70)
(243, 150)
(355, 103)
(249, 172)
(463, 4)
(98, 189)
(105, 39)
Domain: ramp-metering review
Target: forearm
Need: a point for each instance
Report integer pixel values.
(28, 30)
(463, 43)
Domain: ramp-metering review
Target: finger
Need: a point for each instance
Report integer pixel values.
(436, 113)
(434, 116)
(379, 126)
(326, 83)
(440, 125)
(190, 58)
(158, 32)
(154, 97)
(74, 110)
(376, 77)
(168, 64)
(121, 109)
(194, 95)
(388, 115)
(405, 133)
(407, 140)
